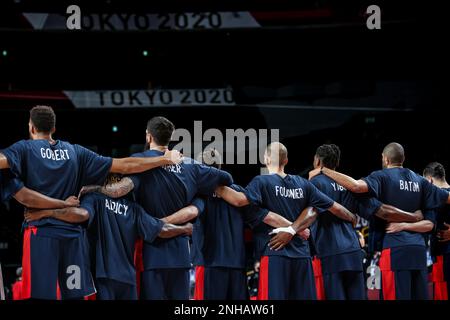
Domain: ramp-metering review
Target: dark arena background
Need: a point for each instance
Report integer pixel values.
(311, 69)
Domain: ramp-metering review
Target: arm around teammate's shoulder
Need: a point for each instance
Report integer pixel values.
(132, 165)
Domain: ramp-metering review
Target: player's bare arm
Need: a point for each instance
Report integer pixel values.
(112, 190)
(355, 186)
(421, 226)
(284, 235)
(138, 165)
(32, 199)
(237, 199)
(3, 162)
(276, 221)
(343, 213)
(183, 215)
(170, 230)
(70, 215)
(393, 214)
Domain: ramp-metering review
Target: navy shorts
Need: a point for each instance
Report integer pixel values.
(400, 281)
(284, 278)
(165, 284)
(218, 283)
(108, 289)
(55, 268)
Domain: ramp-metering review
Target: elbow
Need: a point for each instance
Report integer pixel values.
(241, 202)
(356, 188)
(193, 212)
(84, 215)
(429, 226)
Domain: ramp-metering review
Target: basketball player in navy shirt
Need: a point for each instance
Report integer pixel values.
(286, 273)
(114, 225)
(440, 241)
(218, 242)
(161, 192)
(59, 169)
(403, 260)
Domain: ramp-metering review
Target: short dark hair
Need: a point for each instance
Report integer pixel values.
(329, 155)
(395, 153)
(161, 130)
(434, 170)
(43, 118)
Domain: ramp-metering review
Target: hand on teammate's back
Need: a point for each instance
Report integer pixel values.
(394, 227)
(72, 201)
(313, 173)
(34, 215)
(174, 156)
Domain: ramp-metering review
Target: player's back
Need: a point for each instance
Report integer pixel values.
(220, 229)
(404, 189)
(56, 170)
(162, 192)
(287, 197)
(114, 227)
(330, 234)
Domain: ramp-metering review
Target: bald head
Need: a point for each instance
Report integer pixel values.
(276, 154)
(394, 153)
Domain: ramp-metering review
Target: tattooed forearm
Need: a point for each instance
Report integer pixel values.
(118, 189)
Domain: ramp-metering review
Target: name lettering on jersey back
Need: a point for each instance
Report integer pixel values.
(55, 155)
(116, 207)
(337, 187)
(174, 168)
(411, 186)
(296, 193)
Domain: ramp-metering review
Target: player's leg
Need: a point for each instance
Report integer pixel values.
(388, 283)
(334, 286)
(176, 283)
(302, 282)
(105, 290)
(216, 283)
(123, 291)
(438, 279)
(419, 285)
(152, 285)
(237, 285)
(75, 278)
(354, 284)
(39, 265)
(403, 284)
(274, 278)
(199, 291)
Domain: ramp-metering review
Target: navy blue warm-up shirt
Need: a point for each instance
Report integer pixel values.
(218, 236)
(114, 226)
(406, 190)
(333, 235)
(165, 190)
(288, 197)
(335, 240)
(57, 171)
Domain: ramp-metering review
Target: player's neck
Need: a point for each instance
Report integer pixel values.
(441, 184)
(43, 136)
(390, 166)
(277, 170)
(158, 148)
